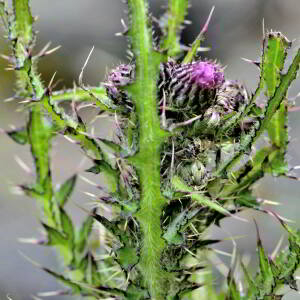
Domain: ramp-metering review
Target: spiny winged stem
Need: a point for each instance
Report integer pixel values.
(179, 162)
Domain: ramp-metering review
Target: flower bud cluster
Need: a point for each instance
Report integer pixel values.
(197, 88)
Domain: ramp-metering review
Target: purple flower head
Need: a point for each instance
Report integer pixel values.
(122, 75)
(206, 74)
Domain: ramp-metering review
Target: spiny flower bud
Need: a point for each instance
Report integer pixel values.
(230, 97)
(190, 85)
(122, 75)
(204, 74)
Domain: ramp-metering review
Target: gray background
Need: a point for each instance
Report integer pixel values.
(235, 32)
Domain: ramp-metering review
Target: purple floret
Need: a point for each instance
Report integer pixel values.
(207, 75)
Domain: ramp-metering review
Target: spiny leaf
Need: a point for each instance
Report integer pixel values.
(177, 11)
(260, 126)
(101, 100)
(172, 235)
(136, 293)
(277, 129)
(89, 145)
(92, 274)
(112, 227)
(265, 267)
(67, 227)
(180, 186)
(111, 175)
(127, 254)
(246, 199)
(58, 115)
(277, 163)
(127, 257)
(275, 51)
(278, 134)
(244, 177)
(57, 239)
(23, 20)
(111, 145)
(76, 289)
(280, 93)
(39, 134)
(84, 233)
(65, 190)
(273, 274)
(20, 135)
(232, 288)
(252, 287)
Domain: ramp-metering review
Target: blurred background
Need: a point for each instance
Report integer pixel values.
(235, 31)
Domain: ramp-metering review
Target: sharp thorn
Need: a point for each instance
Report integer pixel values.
(22, 164)
(42, 52)
(51, 81)
(6, 57)
(205, 27)
(9, 99)
(52, 50)
(254, 62)
(84, 66)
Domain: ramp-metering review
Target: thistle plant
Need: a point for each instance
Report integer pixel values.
(184, 156)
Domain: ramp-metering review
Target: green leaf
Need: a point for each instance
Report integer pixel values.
(277, 163)
(113, 147)
(23, 20)
(76, 289)
(233, 291)
(76, 94)
(112, 227)
(280, 93)
(111, 175)
(39, 135)
(127, 257)
(180, 186)
(246, 175)
(64, 191)
(57, 239)
(278, 134)
(277, 129)
(275, 51)
(127, 254)
(20, 136)
(265, 269)
(177, 10)
(92, 274)
(246, 199)
(136, 293)
(57, 114)
(89, 145)
(253, 289)
(172, 235)
(262, 124)
(83, 234)
(67, 227)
